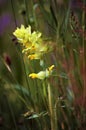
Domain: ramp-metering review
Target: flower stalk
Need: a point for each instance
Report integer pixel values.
(51, 110)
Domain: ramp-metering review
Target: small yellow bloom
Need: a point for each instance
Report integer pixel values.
(31, 57)
(35, 56)
(33, 75)
(42, 48)
(22, 34)
(35, 37)
(25, 36)
(42, 74)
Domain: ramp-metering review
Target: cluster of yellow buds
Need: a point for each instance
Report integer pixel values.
(33, 44)
(42, 74)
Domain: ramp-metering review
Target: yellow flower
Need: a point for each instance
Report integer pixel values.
(27, 38)
(33, 75)
(35, 56)
(33, 45)
(35, 37)
(22, 34)
(42, 74)
(42, 48)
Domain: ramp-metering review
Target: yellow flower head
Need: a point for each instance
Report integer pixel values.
(42, 74)
(35, 56)
(22, 34)
(33, 45)
(25, 36)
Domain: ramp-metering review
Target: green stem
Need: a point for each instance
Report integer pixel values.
(23, 64)
(51, 108)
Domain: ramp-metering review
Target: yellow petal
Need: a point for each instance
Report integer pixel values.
(35, 56)
(51, 67)
(33, 75)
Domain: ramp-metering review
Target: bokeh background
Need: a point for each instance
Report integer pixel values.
(63, 21)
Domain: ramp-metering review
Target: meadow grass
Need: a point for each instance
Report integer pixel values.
(42, 82)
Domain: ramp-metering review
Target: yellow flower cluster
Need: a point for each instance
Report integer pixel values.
(34, 48)
(32, 42)
(42, 74)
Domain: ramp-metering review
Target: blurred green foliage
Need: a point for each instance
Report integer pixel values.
(24, 103)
